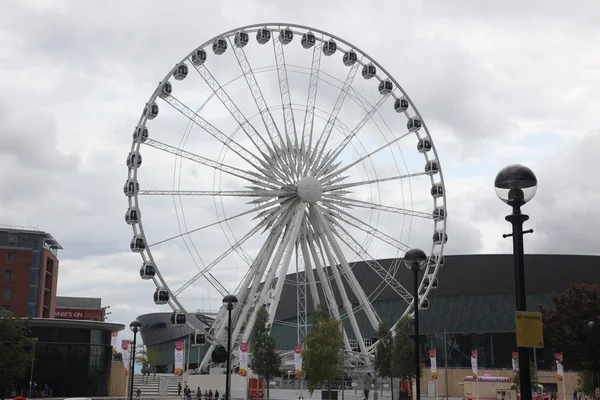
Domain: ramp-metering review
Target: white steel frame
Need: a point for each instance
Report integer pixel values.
(310, 233)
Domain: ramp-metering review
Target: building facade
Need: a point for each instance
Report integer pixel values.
(28, 272)
(473, 308)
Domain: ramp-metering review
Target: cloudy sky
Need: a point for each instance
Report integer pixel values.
(497, 83)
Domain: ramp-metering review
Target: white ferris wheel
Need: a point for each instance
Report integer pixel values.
(279, 151)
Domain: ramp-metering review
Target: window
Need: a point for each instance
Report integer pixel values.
(6, 294)
(4, 308)
(10, 257)
(13, 238)
(8, 275)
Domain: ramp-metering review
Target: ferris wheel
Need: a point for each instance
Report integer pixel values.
(282, 157)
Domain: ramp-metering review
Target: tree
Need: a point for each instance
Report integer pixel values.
(566, 326)
(321, 359)
(265, 361)
(516, 381)
(403, 355)
(146, 356)
(383, 353)
(16, 347)
(585, 382)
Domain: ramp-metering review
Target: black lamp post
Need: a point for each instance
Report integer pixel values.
(229, 301)
(592, 327)
(135, 327)
(516, 185)
(415, 260)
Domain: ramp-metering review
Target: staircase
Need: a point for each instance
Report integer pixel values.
(149, 384)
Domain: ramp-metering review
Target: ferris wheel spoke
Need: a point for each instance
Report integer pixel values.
(324, 137)
(250, 176)
(242, 152)
(348, 202)
(265, 113)
(309, 115)
(326, 162)
(250, 131)
(352, 164)
(213, 193)
(349, 219)
(331, 188)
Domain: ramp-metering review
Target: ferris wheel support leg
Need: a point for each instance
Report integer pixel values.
(308, 270)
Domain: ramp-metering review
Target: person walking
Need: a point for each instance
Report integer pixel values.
(210, 394)
(217, 394)
(179, 389)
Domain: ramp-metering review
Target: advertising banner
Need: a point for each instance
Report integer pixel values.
(298, 360)
(126, 360)
(179, 358)
(88, 314)
(113, 342)
(559, 366)
(433, 362)
(515, 361)
(474, 363)
(243, 359)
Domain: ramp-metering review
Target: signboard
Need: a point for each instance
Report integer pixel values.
(529, 329)
(88, 314)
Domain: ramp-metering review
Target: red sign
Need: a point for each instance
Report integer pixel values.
(79, 313)
(179, 346)
(125, 344)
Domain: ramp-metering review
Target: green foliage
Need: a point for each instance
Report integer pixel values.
(516, 381)
(383, 351)
(321, 358)
(403, 357)
(146, 356)
(265, 361)
(16, 348)
(585, 382)
(566, 325)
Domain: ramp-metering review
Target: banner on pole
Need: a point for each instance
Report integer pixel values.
(243, 359)
(515, 361)
(179, 358)
(113, 342)
(559, 366)
(126, 361)
(298, 360)
(474, 363)
(433, 362)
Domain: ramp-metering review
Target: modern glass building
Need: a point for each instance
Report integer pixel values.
(473, 307)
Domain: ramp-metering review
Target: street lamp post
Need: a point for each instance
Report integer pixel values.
(135, 327)
(32, 363)
(592, 326)
(229, 301)
(415, 260)
(516, 185)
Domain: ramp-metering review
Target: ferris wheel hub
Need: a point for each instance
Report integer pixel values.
(310, 189)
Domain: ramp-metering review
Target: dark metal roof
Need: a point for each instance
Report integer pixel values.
(74, 324)
(78, 302)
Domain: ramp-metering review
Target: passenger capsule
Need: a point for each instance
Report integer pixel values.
(430, 281)
(329, 47)
(439, 214)
(181, 72)
(199, 338)
(432, 167)
(151, 111)
(414, 124)
(241, 39)
(424, 145)
(401, 104)
(424, 305)
(132, 216)
(147, 271)
(437, 191)
(140, 132)
(263, 35)
(440, 237)
(350, 58)
(137, 244)
(178, 318)
(161, 296)
(308, 40)
(385, 87)
(369, 71)
(165, 90)
(286, 36)
(219, 46)
(131, 188)
(436, 257)
(199, 57)
(134, 160)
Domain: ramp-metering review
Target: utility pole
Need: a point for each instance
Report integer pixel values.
(446, 363)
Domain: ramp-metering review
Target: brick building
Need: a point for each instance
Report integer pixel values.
(28, 272)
